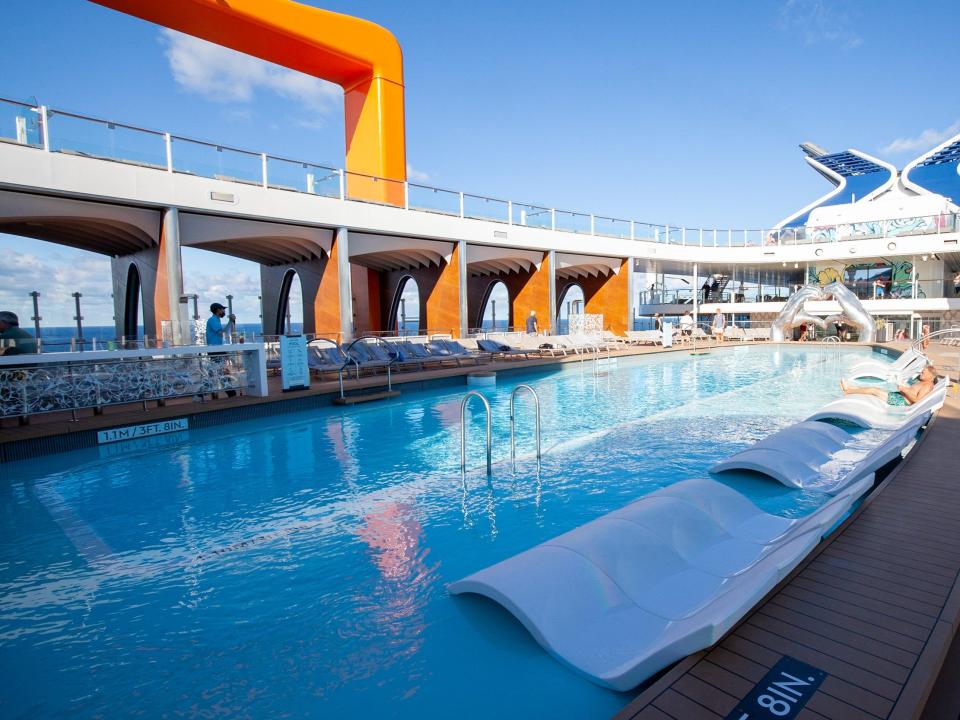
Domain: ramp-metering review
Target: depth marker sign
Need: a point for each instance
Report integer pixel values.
(782, 692)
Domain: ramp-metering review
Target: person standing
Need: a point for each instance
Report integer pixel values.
(16, 340)
(686, 324)
(718, 324)
(532, 328)
(705, 288)
(217, 332)
(956, 284)
(657, 322)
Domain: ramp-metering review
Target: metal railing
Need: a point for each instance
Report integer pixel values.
(513, 419)
(463, 430)
(53, 130)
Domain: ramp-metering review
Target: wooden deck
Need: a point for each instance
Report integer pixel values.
(876, 607)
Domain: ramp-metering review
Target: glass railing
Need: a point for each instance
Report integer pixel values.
(70, 133)
(428, 199)
(532, 216)
(216, 161)
(483, 208)
(20, 123)
(78, 135)
(302, 177)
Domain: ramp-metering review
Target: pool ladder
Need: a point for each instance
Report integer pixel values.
(489, 418)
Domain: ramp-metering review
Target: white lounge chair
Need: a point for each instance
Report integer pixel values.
(803, 456)
(870, 412)
(908, 365)
(624, 596)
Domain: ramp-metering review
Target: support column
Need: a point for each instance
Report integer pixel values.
(340, 257)
(696, 293)
(608, 297)
(551, 262)
(169, 287)
(631, 293)
(463, 277)
(445, 299)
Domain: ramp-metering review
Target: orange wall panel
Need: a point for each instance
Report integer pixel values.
(443, 302)
(610, 300)
(534, 294)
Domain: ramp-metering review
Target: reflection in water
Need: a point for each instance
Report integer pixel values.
(394, 609)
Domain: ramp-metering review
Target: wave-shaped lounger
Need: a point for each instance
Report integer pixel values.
(910, 362)
(624, 596)
(790, 457)
(870, 412)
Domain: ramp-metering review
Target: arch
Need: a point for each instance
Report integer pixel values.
(289, 284)
(400, 312)
(131, 303)
(498, 291)
(572, 301)
(359, 56)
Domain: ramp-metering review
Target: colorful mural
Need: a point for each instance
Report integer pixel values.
(900, 278)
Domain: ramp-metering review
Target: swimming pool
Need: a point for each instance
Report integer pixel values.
(297, 565)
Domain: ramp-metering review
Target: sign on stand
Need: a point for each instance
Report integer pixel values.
(294, 369)
(667, 334)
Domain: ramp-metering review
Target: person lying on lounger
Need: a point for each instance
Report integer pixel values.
(904, 394)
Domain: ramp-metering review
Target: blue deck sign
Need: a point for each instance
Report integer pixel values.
(782, 693)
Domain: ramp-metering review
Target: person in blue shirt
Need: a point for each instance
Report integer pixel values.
(218, 333)
(216, 330)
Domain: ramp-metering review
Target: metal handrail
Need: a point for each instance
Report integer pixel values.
(351, 359)
(918, 343)
(536, 403)
(463, 430)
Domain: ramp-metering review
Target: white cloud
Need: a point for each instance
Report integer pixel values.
(416, 175)
(819, 21)
(926, 140)
(227, 76)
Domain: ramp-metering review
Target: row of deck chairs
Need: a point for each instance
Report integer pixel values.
(375, 355)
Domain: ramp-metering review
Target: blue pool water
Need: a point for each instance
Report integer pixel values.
(297, 566)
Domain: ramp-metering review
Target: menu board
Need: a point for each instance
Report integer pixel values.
(294, 370)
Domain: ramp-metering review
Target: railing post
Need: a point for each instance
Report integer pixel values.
(746, 237)
(729, 237)
(592, 225)
(44, 128)
(406, 195)
(509, 212)
(461, 204)
(701, 237)
(683, 236)
(666, 234)
(553, 222)
(168, 144)
(343, 193)
(633, 234)
(263, 168)
(714, 237)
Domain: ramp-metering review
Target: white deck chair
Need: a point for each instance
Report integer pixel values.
(870, 412)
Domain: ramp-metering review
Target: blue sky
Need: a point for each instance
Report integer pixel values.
(682, 112)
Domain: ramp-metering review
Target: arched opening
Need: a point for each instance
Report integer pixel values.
(290, 307)
(571, 303)
(132, 306)
(495, 308)
(405, 308)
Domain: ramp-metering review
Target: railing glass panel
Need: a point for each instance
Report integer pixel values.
(303, 177)
(216, 161)
(645, 232)
(20, 123)
(611, 227)
(77, 135)
(483, 208)
(367, 188)
(531, 216)
(572, 222)
(445, 202)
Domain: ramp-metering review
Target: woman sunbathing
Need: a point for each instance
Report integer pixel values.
(904, 394)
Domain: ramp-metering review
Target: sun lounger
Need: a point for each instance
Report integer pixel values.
(325, 357)
(870, 412)
(908, 365)
(502, 350)
(819, 458)
(624, 596)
